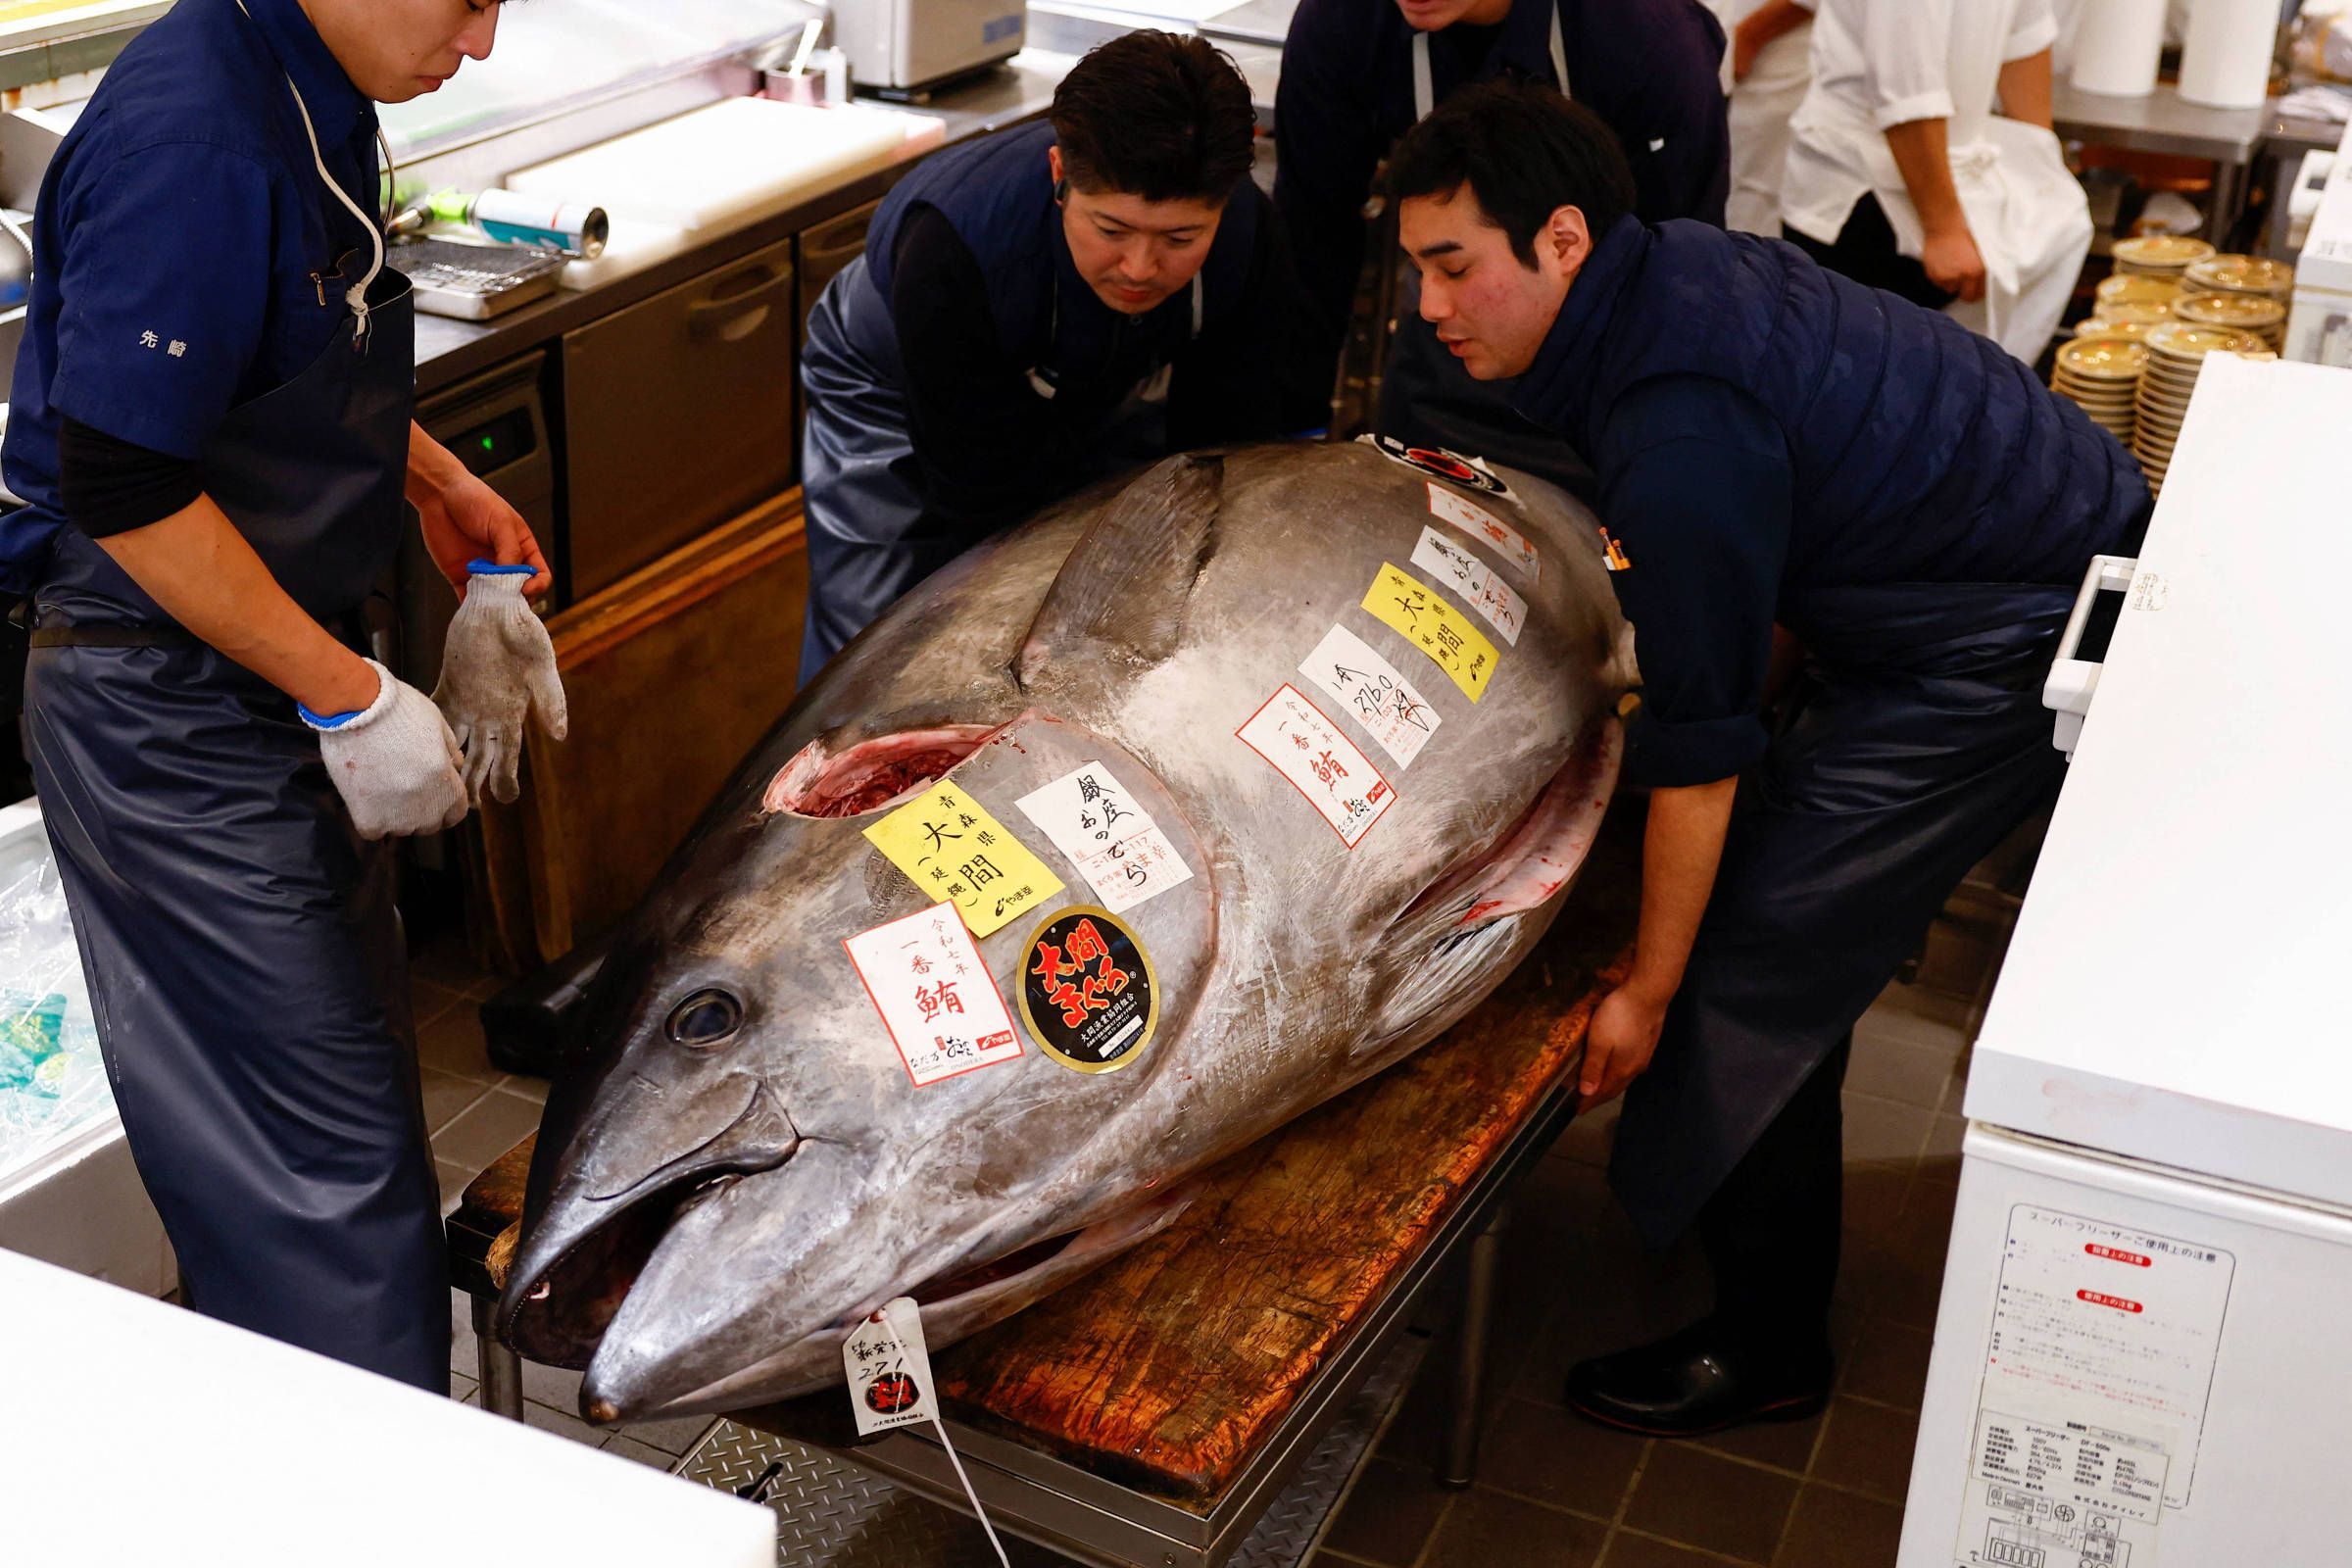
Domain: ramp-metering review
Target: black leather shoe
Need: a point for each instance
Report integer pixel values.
(1693, 1383)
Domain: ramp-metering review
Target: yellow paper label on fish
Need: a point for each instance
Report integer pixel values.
(958, 854)
(1411, 607)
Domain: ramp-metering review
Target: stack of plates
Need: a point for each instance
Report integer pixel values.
(2127, 312)
(2158, 255)
(2251, 313)
(2176, 353)
(2127, 288)
(2099, 326)
(2102, 374)
(2253, 275)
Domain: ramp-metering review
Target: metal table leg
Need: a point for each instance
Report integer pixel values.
(1457, 1466)
(501, 1368)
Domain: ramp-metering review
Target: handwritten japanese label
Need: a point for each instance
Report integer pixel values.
(1371, 692)
(1413, 609)
(1467, 575)
(1118, 849)
(934, 993)
(888, 1368)
(1477, 521)
(1339, 781)
(1087, 991)
(956, 852)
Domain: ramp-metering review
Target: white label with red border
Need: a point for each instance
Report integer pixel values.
(1480, 523)
(1338, 780)
(1467, 575)
(935, 995)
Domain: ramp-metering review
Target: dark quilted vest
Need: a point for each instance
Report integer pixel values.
(999, 195)
(1921, 452)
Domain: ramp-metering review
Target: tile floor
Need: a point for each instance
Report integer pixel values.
(1553, 1492)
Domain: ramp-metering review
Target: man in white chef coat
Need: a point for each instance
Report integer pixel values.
(1903, 177)
(1769, 66)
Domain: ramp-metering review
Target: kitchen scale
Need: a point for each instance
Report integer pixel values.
(474, 280)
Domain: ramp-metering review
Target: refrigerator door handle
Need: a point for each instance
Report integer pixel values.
(2073, 682)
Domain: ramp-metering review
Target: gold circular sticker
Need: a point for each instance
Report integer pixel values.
(1089, 996)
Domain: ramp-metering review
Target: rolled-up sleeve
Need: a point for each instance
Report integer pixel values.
(1902, 55)
(1695, 488)
(2033, 29)
(164, 291)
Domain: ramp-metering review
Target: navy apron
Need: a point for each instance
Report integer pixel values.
(240, 940)
(1920, 743)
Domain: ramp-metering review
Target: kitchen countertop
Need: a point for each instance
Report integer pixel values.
(449, 350)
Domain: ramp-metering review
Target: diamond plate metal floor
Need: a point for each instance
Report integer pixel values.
(831, 1514)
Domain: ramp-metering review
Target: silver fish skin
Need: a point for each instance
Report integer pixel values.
(710, 1215)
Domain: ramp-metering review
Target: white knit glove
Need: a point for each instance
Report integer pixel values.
(497, 667)
(394, 762)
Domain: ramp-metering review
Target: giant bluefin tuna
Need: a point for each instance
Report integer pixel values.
(1243, 780)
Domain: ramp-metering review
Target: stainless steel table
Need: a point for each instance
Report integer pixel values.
(2163, 121)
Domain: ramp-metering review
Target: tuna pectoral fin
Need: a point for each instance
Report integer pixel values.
(1124, 589)
(1458, 939)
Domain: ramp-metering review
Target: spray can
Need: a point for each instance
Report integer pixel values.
(509, 215)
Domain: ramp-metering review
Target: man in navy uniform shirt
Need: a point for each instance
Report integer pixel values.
(211, 423)
(1356, 73)
(1770, 440)
(1035, 310)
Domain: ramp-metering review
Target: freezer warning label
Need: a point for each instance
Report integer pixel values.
(2097, 1367)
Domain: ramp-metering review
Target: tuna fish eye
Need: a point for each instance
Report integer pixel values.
(704, 1019)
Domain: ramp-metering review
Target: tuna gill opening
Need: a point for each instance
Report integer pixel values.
(871, 774)
(1522, 867)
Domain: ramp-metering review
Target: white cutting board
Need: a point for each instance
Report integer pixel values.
(720, 168)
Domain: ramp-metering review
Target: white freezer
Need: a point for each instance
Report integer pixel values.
(2141, 1353)
(2132, 1369)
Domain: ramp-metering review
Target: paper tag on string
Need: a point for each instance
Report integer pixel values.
(889, 1370)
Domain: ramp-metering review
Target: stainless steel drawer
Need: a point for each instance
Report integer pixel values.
(825, 251)
(828, 248)
(679, 413)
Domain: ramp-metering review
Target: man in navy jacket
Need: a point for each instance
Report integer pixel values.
(1356, 73)
(1771, 441)
(1036, 309)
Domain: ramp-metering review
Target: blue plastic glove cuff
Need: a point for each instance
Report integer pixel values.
(327, 720)
(491, 568)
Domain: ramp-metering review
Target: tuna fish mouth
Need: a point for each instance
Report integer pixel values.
(871, 774)
(555, 1310)
(624, 1384)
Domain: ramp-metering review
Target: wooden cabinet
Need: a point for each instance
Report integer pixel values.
(672, 675)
